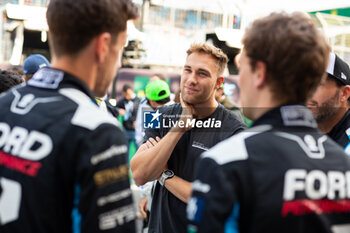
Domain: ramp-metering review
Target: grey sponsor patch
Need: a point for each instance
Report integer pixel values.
(46, 78)
(296, 115)
(116, 217)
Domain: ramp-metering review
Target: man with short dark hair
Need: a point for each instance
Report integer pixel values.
(282, 174)
(330, 103)
(185, 131)
(129, 105)
(8, 80)
(63, 162)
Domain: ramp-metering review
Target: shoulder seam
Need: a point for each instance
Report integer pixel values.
(87, 114)
(234, 148)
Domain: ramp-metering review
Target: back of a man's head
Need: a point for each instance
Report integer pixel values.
(294, 51)
(74, 23)
(8, 80)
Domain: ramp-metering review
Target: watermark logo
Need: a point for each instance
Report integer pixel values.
(152, 119)
(158, 120)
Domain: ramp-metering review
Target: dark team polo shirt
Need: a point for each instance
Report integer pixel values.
(341, 131)
(168, 212)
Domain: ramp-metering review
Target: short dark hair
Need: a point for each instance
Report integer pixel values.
(126, 87)
(16, 69)
(8, 80)
(74, 23)
(294, 52)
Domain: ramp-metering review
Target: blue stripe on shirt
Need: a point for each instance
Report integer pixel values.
(231, 225)
(76, 216)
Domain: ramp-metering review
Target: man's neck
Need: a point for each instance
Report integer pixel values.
(79, 67)
(204, 110)
(327, 125)
(265, 102)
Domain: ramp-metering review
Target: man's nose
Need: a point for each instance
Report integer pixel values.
(192, 78)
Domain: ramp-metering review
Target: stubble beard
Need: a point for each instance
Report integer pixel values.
(328, 109)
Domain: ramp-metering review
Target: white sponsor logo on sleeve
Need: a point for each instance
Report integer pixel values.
(114, 197)
(200, 187)
(107, 154)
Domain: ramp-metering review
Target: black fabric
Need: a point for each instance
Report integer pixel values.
(130, 106)
(168, 213)
(338, 133)
(67, 165)
(112, 109)
(268, 179)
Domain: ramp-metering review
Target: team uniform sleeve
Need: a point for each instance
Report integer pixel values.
(213, 201)
(104, 199)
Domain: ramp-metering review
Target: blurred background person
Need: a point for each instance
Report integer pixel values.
(157, 94)
(16, 69)
(32, 64)
(144, 104)
(129, 105)
(227, 103)
(9, 80)
(106, 106)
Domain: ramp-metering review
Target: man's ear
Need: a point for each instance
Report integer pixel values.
(219, 81)
(260, 74)
(345, 93)
(102, 46)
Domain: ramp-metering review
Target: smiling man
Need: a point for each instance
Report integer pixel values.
(330, 103)
(170, 153)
